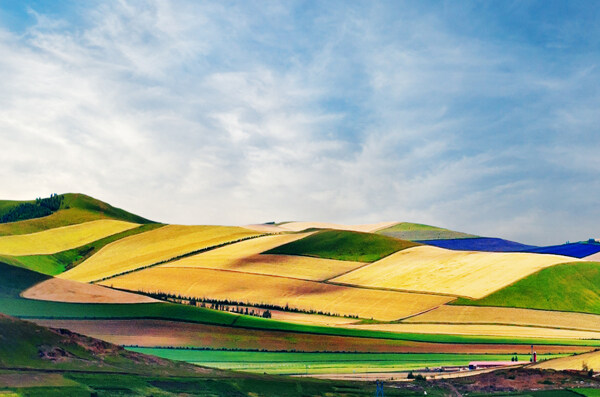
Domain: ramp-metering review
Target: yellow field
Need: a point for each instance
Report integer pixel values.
(481, 330)
(591, 360)
(59, 290)
(61, 238)
(245, 257)
(151, 247)
(255, 289)
(463, 273)
(509, 316)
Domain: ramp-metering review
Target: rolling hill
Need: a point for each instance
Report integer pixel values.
(74, 208)
(571, 287)
(417, 231)
(343, 245)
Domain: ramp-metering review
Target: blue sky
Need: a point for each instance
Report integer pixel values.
(479, 116)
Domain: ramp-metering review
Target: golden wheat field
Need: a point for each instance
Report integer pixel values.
(228, 255)
(255, 289)
(62, 238)
(59, 290)
(591, 361)
(245, 257)
(481, 330)
(437, 270)
(448, 314)
(151, 247)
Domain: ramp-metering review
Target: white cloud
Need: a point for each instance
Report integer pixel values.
(233, 113)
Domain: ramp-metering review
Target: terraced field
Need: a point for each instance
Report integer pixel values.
(257, 289)
(436, 270)
(148, 248)
(417, 231)
(63, 238)
(449, 314)
(343, 245)
(571, 287)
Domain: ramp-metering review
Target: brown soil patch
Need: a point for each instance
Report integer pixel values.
(59, 290)
(152, 333)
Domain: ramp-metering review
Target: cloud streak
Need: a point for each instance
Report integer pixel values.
(235, 113)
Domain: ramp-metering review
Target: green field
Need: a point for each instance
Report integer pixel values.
(588, 392)
(572, 287)
(319, 363)
(417, 231)
(75, 208)
(344, 245)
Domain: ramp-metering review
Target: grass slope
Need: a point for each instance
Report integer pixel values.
(571, 287)
(314, 363)
(417, 231)
(344, 245)
(75, 208)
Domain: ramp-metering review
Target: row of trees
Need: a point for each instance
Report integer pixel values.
(220, 304)
(42, 207)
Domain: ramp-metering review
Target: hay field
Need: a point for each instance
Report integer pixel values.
(59, 290)
(62, 238)
(592, 360)
(449, 314)
(301, 267)
(245, 257)
(437, 270)
(151, 247)
(480, 330)
(256, 289)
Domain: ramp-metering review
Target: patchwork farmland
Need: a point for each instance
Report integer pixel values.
(303, 287)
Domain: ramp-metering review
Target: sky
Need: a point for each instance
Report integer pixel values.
(479, 116)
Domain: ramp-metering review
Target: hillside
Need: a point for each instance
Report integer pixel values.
(344, 245)
(417, 231)
(74, 208)
(572, 287)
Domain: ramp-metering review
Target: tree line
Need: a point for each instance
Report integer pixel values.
(42, 207)
(222, 304)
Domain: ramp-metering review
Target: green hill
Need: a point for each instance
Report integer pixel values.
(344, 245)
(572, 287)
(417, 231)
(74, 208)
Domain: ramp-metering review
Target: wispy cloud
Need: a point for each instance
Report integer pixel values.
(233, 113)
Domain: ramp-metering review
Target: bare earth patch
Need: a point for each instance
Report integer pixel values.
(59, 290)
